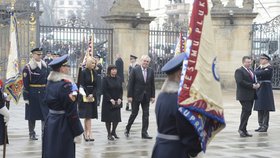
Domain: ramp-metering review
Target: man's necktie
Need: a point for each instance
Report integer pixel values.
(251, 73)
(145, 74)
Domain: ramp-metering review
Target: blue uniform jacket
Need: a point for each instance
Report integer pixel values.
(34, 86)
(60, 128)
(171, 122)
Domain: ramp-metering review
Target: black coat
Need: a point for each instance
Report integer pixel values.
(88, 81)
(112, 89)
(2, 123)
(137, 87)
(265, 99)
(244, 83)
(60, 129)
(119, 65)
(34, 87)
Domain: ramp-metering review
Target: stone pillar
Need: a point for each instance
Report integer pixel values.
(232, 28)
(131, 29)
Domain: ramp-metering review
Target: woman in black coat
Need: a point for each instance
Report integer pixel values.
(112, 101)
(87, 104)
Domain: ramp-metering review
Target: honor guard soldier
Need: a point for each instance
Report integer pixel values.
(34, 85)
(4, 115)
(62, 127)
(265, 102)
(176, 136)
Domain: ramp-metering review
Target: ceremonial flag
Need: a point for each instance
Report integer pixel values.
(14, 83)
(200, 96)
(181, 44)
(90, 50)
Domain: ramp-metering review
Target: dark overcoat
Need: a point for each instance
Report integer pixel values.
(265, 99)
(119, 65)
(171, 122)
(34, 87)
(244, 83)
(112, 89)
(2, 123)
(137, 87)
(62, 125)
(88, 81)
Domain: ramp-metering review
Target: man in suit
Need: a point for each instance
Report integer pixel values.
(141, 90)
(245, 93)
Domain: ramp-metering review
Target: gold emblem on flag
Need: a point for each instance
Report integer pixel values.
(24, 74)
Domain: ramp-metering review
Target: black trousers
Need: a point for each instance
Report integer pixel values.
(245, 114)
(31, 127)
(134, 112)
(263, 118)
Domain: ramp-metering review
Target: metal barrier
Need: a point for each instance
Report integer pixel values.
(74, 41)
(266, 39)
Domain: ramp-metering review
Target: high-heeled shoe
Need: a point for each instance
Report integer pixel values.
(91, 139)
(115, 135)
(110, 137)
(85, 138)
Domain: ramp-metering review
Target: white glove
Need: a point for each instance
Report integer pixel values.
(82, 91)
(5, 112)
(78, 139)
(26, 102)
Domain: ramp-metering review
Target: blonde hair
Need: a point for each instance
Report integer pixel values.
(89, 61)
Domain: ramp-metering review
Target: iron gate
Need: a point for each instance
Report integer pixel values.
(266, 39)
(162, 45)
(74, 41)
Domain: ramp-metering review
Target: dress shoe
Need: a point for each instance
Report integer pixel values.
(33, 137)
(110, 137)
(263, 129)
(248, 134)
(126, 133)
(242, 134)
(146, 136)
(115, 135)
(256, 130)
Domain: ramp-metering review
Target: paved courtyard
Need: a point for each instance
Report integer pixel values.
(227, 144)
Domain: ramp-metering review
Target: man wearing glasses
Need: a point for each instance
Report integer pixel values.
(35, 75)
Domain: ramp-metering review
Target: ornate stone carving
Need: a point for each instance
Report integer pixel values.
(231, 3)
(217, 3)
(248, 4)
(126, 6)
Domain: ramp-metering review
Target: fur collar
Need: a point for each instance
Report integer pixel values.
(33, 65)
(265, 65)
(58, 76)
(170, 86)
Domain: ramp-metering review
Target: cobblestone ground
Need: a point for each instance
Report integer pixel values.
(227, 144)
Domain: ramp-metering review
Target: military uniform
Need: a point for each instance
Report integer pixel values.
(265, 101)
(62, 125)
(34, 86)
(176, 136)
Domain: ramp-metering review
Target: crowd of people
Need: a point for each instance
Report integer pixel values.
(52, 97)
